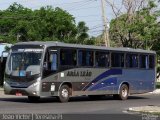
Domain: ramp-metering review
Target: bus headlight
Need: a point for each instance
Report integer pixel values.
(34, 92)
(35, 84)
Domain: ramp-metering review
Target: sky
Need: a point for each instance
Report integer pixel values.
(89, 11)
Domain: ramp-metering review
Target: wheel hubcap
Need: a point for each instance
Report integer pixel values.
(124, 92)
(65, 93)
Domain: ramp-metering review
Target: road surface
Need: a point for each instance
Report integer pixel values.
(77, 105)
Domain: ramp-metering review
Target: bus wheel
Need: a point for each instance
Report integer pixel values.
(33, 98)
(124, 91)
(64, 93)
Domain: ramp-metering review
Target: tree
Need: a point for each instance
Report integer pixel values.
(18, 23)
(138, 27)
(82, 32)
(9, 20)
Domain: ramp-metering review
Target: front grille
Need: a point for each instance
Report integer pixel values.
(18, 85)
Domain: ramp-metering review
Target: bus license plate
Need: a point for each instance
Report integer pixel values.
(18, 94)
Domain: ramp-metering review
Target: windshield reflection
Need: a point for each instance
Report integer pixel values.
(24, 63)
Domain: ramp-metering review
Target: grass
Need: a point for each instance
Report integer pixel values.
(157, 85)
(150, 113)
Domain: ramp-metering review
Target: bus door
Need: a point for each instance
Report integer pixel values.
(50, 64)
(50, 67)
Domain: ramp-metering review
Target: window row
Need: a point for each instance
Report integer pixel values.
(105, 59)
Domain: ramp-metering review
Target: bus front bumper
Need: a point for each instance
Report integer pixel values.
(32, 90)
(29, 91)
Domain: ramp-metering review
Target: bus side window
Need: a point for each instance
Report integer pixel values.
(151, 61)
(132, 61)
(85, 58)
(117, 60)
(68, 57)
(102, 59)
(144, 63)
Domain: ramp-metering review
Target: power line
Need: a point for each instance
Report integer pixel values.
(97, 25)
(22, 16)
(7, 3)
(95, 34)
(93, 20)
(76, 6)
(73, 2)
(84, 8)
(100, 26)
(70, 4)
(81, 5)
(95, 31)
(89, 15)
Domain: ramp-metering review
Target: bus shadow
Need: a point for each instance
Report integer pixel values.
(136, 97)
(106, 98)
(25, 100)
(73, 99)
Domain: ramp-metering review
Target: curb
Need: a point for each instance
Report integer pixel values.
(145, 109)
(157, 91)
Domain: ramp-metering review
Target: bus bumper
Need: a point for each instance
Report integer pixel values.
(30, 91)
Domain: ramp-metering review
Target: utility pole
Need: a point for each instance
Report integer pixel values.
(106, 30)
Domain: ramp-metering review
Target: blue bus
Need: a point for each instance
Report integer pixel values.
(37, 69)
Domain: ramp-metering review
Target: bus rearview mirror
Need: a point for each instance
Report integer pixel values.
(4, 54)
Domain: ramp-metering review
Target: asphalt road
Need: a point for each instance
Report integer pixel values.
(79, 108)
(77, 105)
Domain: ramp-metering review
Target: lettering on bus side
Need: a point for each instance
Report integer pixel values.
(79, 73)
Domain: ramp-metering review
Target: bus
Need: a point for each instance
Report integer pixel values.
(43, 69)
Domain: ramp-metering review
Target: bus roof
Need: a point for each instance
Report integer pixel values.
(61, 44)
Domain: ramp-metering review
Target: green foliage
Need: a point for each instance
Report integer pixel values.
(47, 24)
(7, 48)
(138, 30)
(157, 85)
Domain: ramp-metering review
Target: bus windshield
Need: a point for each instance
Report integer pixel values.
(25, 63)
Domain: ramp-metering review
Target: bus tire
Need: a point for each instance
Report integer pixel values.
(33, 98)
(124, 91)
(64, 93)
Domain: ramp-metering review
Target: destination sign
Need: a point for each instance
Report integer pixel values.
(30, 50)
